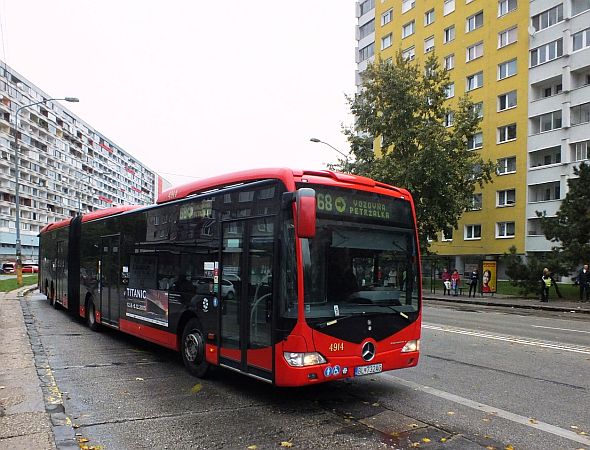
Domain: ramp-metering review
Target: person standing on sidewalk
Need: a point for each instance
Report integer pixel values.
(546, 283)
(584, 281)
(445, 276)
(455, 282)
(473, 280)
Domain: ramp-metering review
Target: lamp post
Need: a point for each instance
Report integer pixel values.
(316, 140)
(19, 263)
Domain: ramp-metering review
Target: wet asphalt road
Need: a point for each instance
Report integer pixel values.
(486, 379)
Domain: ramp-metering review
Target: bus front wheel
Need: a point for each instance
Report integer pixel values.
(193, 349)
(91, 317)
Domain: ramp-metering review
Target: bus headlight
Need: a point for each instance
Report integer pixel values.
(303, 359)
(411, 346)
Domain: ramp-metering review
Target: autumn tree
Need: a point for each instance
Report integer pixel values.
(570, 228)
(402, 106)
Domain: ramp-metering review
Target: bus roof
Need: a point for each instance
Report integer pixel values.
(289, 176)
(56, 225)
(100, 213)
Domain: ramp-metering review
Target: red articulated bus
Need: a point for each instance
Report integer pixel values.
(293, 277)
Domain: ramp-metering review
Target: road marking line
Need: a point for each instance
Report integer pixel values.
(560, 329)
(537, 424)
(505, 338)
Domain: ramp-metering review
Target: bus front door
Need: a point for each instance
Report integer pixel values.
(245, 285)
(109, 279)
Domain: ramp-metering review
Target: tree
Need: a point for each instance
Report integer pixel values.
(405, 106)
(571, 226)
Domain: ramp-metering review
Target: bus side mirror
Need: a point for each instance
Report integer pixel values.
(306, 212)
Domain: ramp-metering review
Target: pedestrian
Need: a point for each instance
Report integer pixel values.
(546, 283)
(473, 280)
(445, 276)
(455, 282)
(584, 281)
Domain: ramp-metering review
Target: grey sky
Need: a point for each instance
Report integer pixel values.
(196, 87)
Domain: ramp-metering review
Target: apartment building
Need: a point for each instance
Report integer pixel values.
(66, 167)
(525, 64)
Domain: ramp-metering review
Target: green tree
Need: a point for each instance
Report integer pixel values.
(570, 229)
(405, 105)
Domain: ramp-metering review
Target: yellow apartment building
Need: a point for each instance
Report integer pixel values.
(490, 48)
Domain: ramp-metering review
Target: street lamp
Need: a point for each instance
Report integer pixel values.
(333, 148)
(19, 263)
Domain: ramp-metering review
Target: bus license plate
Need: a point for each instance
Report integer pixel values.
(367, 370)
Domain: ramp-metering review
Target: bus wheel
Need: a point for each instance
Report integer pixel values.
(91, 317)
(193, 349)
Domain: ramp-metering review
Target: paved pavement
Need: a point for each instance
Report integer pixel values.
(513, 302)
(24, 421)
(31, 418)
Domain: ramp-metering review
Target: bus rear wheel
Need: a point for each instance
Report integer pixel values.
(193, 349)
(91, 317)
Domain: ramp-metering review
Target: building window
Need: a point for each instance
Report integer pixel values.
(474, 81)
(581, 150)
(507, 101)
(546, 122)
(450, 90)
(429, 17)
(579, 6)
(506, 198)
(581, 39)
(386, 41)
(472, 232)
(505, 6)
(407, 5)
(505, 229)
(545, 192)
(448, 120)
(447, 235)
(548, 18)
(475, 142)
(449, 61)
(507, 133)
(477, 109)
(367, 28)
(547, 52)
(367, 6)
(476, 202)
(475, 51)
(429, 44)
(409, 54)
(545, 157)
(449, 34)
(506, 69)
(386, 17)
(506, 165)
(366, 52)
(580, 114)
(473, 22)
(408, 29)
(448, 7)
(507, 37)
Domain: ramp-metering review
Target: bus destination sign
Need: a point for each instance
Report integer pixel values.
(349, 204)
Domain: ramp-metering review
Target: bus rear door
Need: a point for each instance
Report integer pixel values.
(109, 279)
(245, 287)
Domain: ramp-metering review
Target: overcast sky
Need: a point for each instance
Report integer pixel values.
(195, 88)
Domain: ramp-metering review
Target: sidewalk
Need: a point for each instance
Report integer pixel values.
(24, 422)
(513, 302)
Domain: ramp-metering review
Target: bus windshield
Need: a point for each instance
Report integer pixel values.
(355, 268)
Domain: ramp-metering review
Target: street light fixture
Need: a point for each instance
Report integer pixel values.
(316, 140)
(19, 263)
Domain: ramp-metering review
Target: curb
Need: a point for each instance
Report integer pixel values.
(513, 305)
(63, 433)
